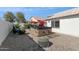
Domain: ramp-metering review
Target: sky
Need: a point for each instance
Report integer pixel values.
(33, 11)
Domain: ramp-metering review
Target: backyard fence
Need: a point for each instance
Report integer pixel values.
(5, 28)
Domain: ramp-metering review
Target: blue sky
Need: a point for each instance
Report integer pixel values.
(33, 11)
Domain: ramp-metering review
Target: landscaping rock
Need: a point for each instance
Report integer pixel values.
(43, 41)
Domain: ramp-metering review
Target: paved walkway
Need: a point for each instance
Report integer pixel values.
(15, 42)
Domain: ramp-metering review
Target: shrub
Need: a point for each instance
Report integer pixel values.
(26, 25)
(17, 25)
(19, 29)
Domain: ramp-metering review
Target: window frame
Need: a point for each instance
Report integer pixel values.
(54, 25)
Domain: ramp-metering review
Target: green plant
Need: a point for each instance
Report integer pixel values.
(9, 16)
(17, 25)
(20, 16)
(22, 30)
(26, 25)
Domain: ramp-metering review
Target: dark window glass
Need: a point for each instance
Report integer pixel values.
(57, 24)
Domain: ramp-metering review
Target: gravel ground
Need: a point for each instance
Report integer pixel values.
(62, 42)
(15, 42)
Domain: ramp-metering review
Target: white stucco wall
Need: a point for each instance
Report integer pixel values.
(68, 26)
(5, 28)
(48, 23)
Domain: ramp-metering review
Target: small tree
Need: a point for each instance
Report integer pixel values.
(9, 16)
(20, 17)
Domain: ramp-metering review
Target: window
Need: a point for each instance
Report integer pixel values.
(55, 24)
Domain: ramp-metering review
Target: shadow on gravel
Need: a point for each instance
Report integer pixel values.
(50, 43)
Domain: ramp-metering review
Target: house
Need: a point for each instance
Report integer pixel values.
(38, 28)
(37, 21)
(66, 22)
